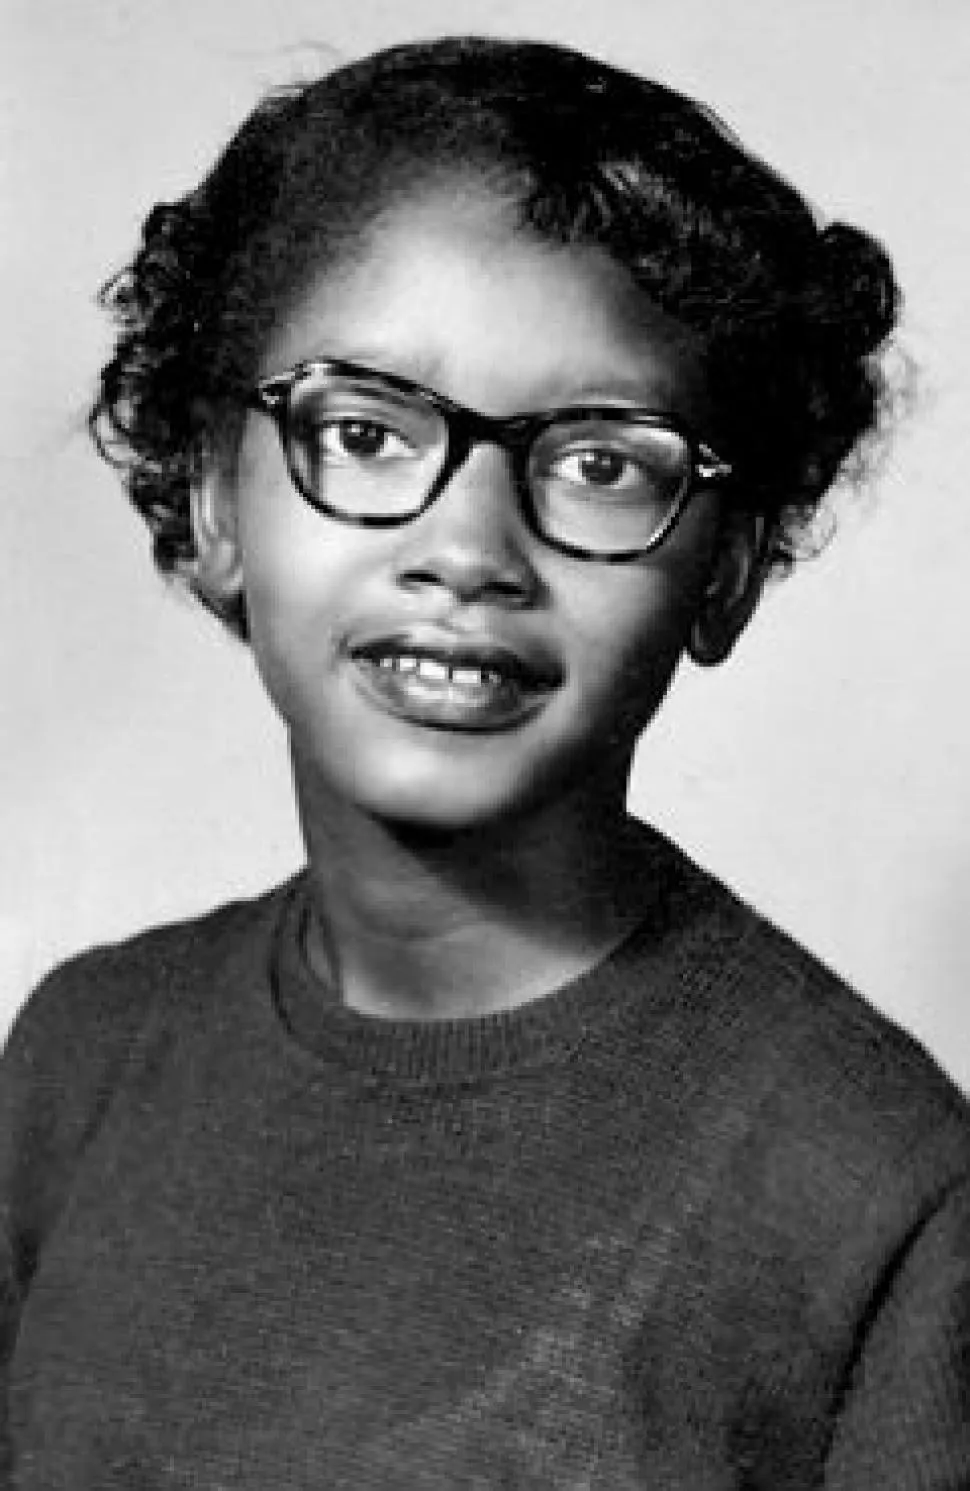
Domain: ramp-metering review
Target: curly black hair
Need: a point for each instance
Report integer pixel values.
(793, 316)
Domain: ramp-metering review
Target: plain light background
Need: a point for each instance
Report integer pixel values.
(825, 772)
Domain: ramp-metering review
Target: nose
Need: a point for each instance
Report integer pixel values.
(473, 540)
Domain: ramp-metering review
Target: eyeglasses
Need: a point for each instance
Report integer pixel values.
(601, 482)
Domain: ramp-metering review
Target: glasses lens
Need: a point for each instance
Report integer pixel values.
(360, 448)
(608, 485)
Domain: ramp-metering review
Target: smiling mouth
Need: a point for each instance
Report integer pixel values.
(451, 689)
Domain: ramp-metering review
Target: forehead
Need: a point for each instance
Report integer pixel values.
(451, 292)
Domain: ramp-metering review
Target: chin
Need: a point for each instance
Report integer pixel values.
(442, 809)
(438, 799)
(439, 784)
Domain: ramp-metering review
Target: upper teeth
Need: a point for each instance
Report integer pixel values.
(432, 668)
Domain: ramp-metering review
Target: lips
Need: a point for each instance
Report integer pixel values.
(453, 680)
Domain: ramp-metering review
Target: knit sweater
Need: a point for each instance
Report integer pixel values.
(698, 1220)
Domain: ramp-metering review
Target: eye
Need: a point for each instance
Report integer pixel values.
(599, 466)
(341, 441)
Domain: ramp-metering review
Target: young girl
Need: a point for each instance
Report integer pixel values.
(476, 386)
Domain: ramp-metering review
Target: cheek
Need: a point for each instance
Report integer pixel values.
(292, 571)
(632, 624)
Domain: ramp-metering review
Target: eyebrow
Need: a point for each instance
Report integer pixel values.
(559, 392)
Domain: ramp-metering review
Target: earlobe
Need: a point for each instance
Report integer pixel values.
(732, 592)
(216, 570)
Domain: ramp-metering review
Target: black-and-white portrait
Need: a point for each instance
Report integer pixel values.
(484, 755)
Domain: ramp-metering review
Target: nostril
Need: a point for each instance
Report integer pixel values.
(469, 577)
(510, 588)
(417, 576)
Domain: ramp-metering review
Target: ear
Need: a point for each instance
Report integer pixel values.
(216, 570)
(733, 589)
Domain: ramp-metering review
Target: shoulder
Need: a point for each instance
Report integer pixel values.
(96, 1000)
(814, 1150)
(79, 1031)
(833, 1085)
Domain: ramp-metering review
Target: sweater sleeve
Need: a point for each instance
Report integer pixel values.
(58, 1071)
(9, 1314)
(23, 1122)
(905, 1420)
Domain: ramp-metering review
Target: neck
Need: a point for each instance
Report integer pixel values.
(411, 925)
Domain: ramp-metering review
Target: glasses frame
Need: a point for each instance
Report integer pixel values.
(467, 428)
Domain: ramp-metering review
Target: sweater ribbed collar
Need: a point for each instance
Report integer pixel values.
(541, 1032)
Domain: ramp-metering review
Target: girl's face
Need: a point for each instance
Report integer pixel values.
(450, 295)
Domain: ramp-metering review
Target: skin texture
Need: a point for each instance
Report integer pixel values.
(456, 871)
